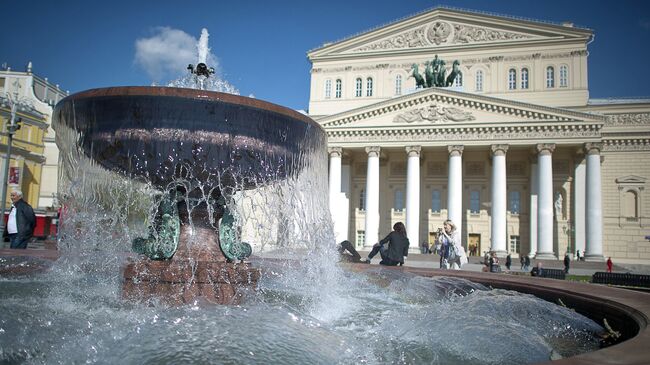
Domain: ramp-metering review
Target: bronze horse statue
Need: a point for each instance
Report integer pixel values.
(455, 72)
(419, 80)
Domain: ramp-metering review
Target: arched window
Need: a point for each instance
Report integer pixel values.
(512, 79)
(369, 86)
(359, 85)
(339, 88)
(479, 80)
(435, 201)
(399, 200)
(550, 77)
(398, 85)
(362, 200)
(328, 89)
(524, 78)
(514, 203)
(458, 81)
(630, 204)
(564, 76)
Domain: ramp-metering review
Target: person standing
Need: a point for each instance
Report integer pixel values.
(526, 263)
(453, 253)
(567, 262)
(577, 255)
(522, 261)
(610, 264)
(424, 247)
(397, 250)
(21, 222)
(508, 261)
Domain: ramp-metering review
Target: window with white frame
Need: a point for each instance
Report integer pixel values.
(458, 81)
(479, 80)
(435, 201)
(550, 77)
(474, 201)
(630, 204)
(515, 244)
(398, 85)
(514, 202)
(361, 238)
(524, 78)
(359, 86)
(369, 86)
(564, 76)
(328, 89)
(512, 79)
(339, 88)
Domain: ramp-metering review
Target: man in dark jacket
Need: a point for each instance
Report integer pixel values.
(21, 223)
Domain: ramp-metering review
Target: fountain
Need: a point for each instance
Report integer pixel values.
(180, 175)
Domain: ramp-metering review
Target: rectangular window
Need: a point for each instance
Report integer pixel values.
(361, 238)
(524, 78)
(435, 201)
(515, 244)
(339, 88)
(398, 85)
(564, 73)
(479, 80)
(474, 201)
(514, 202)
(328, 89)
(359, 85)
(399, 200)
(369, 87)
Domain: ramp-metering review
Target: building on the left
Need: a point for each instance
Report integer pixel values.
(33, 163)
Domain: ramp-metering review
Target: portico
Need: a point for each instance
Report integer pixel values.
(499, 187)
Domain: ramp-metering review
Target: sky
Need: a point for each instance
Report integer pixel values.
(260, 46)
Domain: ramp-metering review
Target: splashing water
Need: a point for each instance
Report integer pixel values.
(212, 83)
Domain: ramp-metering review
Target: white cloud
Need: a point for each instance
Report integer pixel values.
(166, 54)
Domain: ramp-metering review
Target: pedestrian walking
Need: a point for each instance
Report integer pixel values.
(567, 262)
(21, 222)
(508, 261)
(610, 264)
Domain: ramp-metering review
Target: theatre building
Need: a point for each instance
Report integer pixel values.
(511, 149)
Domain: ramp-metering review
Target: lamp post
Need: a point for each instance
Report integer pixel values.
(13, 101)
(568, 230)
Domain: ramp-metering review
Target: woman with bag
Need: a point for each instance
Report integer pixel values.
(452, 251)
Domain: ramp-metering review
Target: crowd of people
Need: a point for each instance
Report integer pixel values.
(393, 250)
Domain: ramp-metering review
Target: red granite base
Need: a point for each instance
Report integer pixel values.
(198, 272)
(180, 281)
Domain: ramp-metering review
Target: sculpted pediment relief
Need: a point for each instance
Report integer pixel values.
(440, 32)
(433, 113)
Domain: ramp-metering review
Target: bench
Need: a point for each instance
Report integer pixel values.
(621, 279)
(549, 273)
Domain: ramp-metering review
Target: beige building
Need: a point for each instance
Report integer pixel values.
(35, 156)
(513, 150)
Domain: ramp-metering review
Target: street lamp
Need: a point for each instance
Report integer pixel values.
(569, 232)
(13, 101)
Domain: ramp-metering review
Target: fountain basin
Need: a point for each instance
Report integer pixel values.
(225, 139)
(627, 311)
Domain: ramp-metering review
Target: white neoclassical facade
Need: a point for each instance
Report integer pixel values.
(514, 151)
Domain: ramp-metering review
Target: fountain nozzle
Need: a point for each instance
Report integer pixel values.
(201, 69)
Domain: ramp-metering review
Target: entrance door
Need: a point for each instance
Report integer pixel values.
(474, 244)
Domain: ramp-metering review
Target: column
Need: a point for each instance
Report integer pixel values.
(579, 184)
(413, 195)
(593, 206)
(372, 197)
(545, 201)
(335, 176)
(534, 187)
(498, 192)
(337, 201)
(455, 187)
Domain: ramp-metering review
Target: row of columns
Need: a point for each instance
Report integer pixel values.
(541, 197)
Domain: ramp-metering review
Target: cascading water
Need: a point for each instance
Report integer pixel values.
(306, 308)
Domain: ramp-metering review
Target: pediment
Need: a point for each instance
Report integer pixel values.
(442, 108)
(442, 28)
(631, 180)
